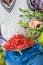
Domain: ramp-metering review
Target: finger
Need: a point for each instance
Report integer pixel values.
(30, 24)
(33, 25)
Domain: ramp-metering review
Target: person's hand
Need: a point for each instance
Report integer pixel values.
(33, 24)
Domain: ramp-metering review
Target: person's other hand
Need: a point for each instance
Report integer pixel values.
(33, 24)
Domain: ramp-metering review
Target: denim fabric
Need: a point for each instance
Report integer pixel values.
(30, 56)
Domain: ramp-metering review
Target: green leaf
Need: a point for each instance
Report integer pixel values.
(23, 24)
(36, 14)
(21, 15)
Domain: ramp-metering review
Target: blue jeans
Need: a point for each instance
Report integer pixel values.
(30, 56)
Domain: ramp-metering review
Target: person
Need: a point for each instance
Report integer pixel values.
(7, 1)
(9, 27)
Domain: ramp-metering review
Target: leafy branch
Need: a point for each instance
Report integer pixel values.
(32, 33)
(29, 14)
